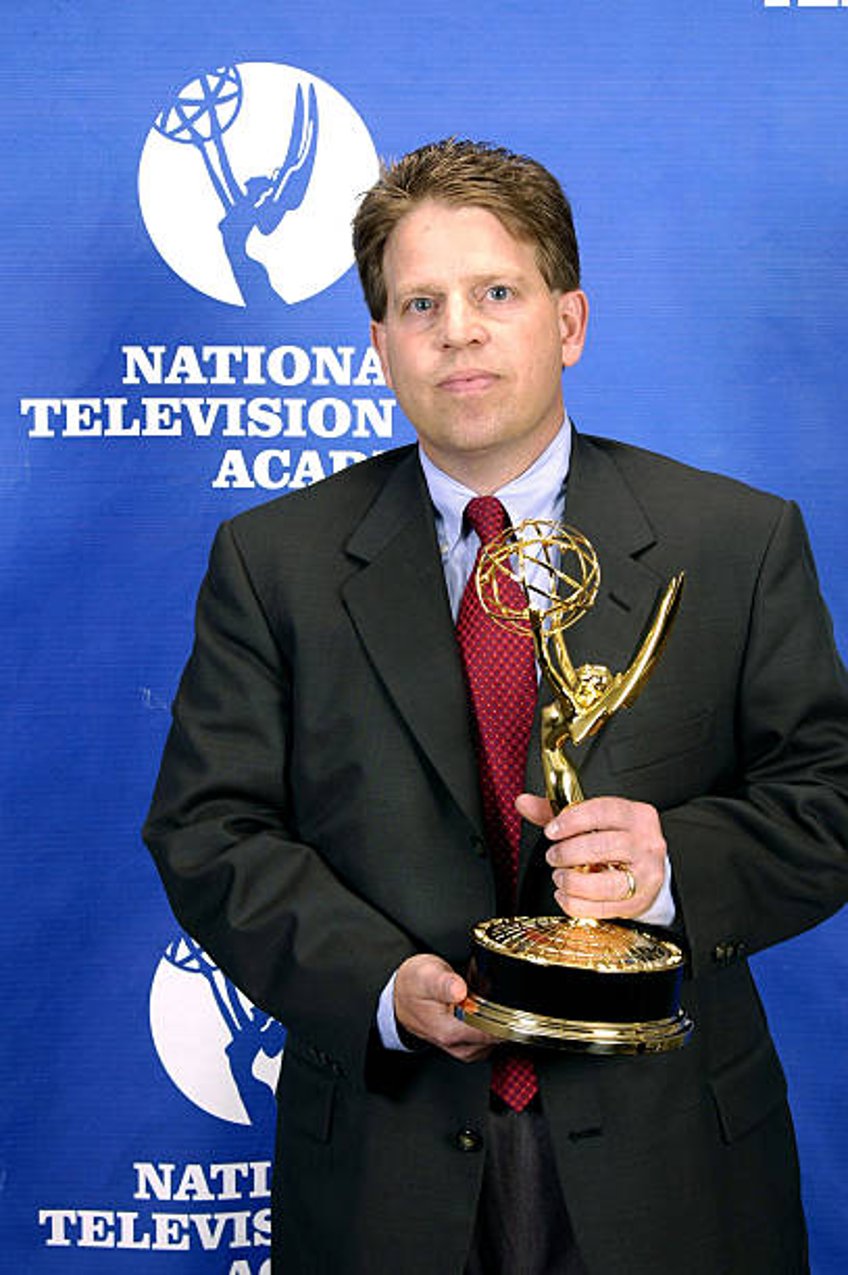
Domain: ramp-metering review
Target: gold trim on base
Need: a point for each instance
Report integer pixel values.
(656, 1037)
(569, 942)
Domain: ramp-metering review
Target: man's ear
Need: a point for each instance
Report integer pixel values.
(573, 321)
(378, 340)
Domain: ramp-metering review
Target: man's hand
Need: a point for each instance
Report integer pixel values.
(589, 842)
(427, 992)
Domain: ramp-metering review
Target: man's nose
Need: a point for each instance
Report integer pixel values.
(462, 323)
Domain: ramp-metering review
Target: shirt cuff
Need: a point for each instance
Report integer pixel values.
(662, 910)
(387, 1024)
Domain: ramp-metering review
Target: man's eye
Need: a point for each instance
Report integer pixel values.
(499, 292)
(420, 305)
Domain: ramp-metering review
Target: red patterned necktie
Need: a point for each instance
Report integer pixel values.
(500, 672)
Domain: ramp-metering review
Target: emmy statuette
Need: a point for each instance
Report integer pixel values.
(571, 983)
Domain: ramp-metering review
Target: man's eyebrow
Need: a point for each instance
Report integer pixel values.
(412, 288)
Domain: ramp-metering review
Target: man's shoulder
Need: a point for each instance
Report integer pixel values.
(335, 502)
(679, 489)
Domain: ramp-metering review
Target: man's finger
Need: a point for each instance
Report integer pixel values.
(612, 885)
(534, 809)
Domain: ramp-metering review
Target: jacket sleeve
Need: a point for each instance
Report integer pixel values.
(767, 859)
(264, 905)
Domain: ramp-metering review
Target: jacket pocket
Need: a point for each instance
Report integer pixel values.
(749, 1090)
(648, 748)
(307, 1096)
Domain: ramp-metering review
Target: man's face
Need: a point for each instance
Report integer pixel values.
(473, 342)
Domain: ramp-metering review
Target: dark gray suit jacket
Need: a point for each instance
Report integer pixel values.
(317, 820)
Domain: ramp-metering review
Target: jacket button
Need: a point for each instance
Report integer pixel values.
(468, 1139)
(478, 845)
(727, 953)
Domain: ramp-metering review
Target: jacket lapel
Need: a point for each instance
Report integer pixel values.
(398, 604)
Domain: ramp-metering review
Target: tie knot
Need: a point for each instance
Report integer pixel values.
(487, 516)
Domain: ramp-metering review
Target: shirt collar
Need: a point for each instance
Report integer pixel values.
(537, 493)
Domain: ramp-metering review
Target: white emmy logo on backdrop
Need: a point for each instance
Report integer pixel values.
(249, 180)
(220, 1051)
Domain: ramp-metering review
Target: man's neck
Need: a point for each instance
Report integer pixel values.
(486, 472)
(536, 488)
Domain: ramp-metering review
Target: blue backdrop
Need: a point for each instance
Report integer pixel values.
(170, 356)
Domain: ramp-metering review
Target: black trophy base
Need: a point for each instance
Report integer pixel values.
(587, 986)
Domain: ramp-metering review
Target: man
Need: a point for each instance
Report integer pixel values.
(323, 826)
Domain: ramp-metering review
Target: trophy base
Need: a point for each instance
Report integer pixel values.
(589, 986)
(576, 1036)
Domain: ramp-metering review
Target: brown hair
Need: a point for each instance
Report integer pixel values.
(518, 190)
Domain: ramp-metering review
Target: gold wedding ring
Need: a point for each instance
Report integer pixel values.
(631, 882)
(617, 866)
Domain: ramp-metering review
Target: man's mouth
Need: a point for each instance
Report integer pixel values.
(473, 381)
